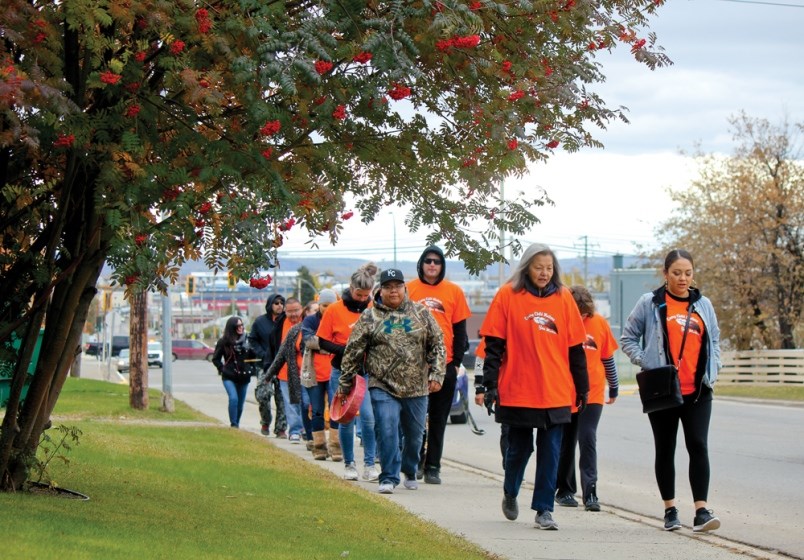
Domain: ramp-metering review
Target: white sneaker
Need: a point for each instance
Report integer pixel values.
(385, 488)
(295, 438)
(370, 473)
(411, 483)
(350, 473)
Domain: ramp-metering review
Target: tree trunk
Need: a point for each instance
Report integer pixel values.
(138, 344)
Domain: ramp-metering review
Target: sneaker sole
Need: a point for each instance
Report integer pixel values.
(673, 528)
(547, 527)
(386, 491)
(593, 508)
(710, 525)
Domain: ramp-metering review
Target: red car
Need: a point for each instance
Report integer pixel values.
(187, 349)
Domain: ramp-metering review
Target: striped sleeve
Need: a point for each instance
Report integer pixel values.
(611, 376)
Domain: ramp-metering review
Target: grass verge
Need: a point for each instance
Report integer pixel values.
(785, 392)
(163, 488)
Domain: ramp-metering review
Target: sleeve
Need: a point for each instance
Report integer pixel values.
(217, 356)
(460, 342)
(633, 330)
(355, 351)
(436, 352)
(279, 360)
(577, 365)
(495, 349)
(255, 341)
(611, 376)
(714, 336)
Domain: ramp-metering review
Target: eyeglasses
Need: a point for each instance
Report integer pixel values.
(432, 261)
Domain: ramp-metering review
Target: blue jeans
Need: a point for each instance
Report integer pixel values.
(318, 396)
(293, 411)
(393, 416)
(520, 448)
(346, 432)
(237, 398)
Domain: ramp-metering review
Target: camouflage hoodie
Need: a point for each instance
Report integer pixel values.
(401, 349)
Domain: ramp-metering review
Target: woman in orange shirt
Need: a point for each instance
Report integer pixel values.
(534, 367)
(582, 430)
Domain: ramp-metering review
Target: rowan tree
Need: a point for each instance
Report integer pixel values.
(144, 133)
(743, 221)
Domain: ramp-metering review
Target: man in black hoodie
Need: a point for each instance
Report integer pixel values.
(448, 305)
(259, 340)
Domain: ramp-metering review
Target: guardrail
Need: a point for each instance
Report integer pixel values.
(762, 367)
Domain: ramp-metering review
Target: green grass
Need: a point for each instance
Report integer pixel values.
(188, 491)
(785, 392)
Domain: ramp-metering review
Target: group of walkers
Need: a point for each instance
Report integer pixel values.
(545, 362)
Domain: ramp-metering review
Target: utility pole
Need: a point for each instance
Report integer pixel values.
(585, 239)
(393, 218)
(501, 272)
(167, 355)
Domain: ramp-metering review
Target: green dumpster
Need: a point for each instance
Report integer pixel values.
(7, 369)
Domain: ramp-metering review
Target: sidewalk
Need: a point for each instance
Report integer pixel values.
(468, 504)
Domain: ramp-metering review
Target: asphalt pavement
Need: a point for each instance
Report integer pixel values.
(468, 504)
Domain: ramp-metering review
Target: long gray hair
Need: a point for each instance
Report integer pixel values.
(517, 279)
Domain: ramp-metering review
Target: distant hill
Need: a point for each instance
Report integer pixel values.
(342, 269)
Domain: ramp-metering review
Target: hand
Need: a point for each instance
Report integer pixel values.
(434, 386)
(490, 400)
(580, 402)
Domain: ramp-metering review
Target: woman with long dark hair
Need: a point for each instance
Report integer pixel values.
(230, 360)
(652, 337)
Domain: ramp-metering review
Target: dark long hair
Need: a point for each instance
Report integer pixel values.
(675, 255)
(230, 336)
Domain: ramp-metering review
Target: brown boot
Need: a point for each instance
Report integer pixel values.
(319, 445)
(334, 446)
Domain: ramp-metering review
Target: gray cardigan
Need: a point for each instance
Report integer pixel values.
(642, 338)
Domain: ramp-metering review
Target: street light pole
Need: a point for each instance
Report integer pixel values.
(393, 218)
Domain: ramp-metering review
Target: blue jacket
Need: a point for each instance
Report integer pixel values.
(643, 336)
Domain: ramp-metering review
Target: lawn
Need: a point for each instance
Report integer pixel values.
(174, 486)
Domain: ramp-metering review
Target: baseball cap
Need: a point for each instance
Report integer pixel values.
(391, 275)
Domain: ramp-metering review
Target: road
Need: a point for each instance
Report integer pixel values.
(756, 452)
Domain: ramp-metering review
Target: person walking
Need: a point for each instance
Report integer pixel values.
(599, 346)
(287, 366)
(333, 334)
(293, 406)
(447, 302)
(318, 393)
(534, 366)
(398, 343)
(259, 340)
(229, 359)
(651, 338)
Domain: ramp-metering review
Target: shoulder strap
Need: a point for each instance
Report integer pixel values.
(684, 336)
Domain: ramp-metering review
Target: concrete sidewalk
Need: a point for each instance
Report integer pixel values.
(468, 504)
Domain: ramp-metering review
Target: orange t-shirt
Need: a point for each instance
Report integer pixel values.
(676, 318)
(283, 373)
(322, 364)
(446, 303)
(599, 344)
(336, 325)
(538, 333)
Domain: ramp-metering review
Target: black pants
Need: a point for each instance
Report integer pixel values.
(438, 407)
(581, 431)
(694, 418)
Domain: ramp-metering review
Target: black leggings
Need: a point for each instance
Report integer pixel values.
(694, 417)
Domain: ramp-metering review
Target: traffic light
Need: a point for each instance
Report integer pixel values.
(232, 281)
(107, 300)
(190, 287)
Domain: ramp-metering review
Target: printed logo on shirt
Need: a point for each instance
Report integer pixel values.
(544, 321)
(389, 325)
(434, 304)
(589, 343)
(681, 320)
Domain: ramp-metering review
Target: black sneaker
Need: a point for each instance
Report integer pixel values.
(510, 507)
(432, 476)
(590, 500)
(705, 521)
(566, 500)
(671, 522)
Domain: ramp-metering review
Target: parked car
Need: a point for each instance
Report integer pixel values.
(155, 354)
(123, 361)
(469, 357)
(118, 343)
(187, 349)
(460, 399)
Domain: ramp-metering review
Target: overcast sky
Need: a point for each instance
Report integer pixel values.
(729, 56)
